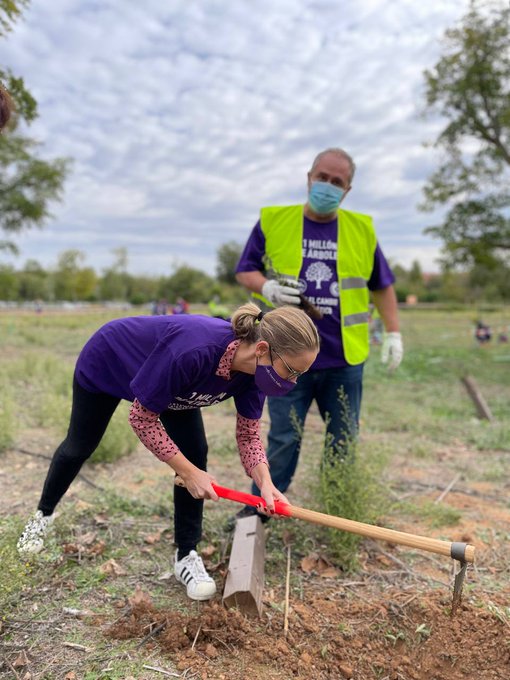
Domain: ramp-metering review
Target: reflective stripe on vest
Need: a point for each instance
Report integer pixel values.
(355, 319)
(283, 231)
(353, 282)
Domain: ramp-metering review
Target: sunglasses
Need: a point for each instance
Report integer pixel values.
(292, 371)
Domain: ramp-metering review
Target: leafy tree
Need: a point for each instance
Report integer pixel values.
(142, 289)
(33, 282)
(416, 274)
(65, 277)
(192, 284)
(228, 256)
(86, 284)
(470, 87)
(27, 183)
(8, 283)
(10, 10)
(115, 281)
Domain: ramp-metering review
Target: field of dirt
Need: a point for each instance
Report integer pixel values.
(389, 620)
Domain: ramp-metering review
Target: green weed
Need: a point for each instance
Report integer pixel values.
(16, 571)
(490, 435)
(348, 488)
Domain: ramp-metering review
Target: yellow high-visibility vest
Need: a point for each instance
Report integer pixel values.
(356, 243)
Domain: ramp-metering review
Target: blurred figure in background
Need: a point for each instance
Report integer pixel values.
(159, 307)
(216, 309)
(483, 333)
(181, 306)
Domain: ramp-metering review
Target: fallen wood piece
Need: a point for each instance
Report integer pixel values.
(244, 584)
(448, 489)
(80, 648)
(196, 637)
(161, 670)
(481, 405)
(152, 633)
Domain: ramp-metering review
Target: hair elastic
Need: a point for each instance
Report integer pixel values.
(259, 316)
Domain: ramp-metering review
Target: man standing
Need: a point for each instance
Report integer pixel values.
(332, 258)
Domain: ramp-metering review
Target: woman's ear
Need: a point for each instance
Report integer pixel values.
(261, 348)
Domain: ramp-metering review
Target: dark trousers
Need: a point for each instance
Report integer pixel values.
(90, 416)
(338, 393)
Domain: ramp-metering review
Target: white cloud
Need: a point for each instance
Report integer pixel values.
(184, 118)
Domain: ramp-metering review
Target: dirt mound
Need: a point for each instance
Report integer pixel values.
(332, 637)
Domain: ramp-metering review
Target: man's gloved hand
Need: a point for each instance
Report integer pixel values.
(392, 350)
(279, 294)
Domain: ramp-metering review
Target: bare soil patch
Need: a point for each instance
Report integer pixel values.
(389, 621)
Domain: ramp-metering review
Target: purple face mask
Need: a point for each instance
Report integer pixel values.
(269, 382)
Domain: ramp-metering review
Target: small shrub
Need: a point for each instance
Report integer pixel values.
(348, 489)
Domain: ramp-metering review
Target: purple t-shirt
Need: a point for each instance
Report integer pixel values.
(166, 362)
(319, 246)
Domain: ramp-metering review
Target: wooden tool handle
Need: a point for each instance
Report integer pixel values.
(433, 545)
(460, 551)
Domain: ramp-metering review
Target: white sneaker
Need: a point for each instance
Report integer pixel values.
(37, 528)
(191, 572)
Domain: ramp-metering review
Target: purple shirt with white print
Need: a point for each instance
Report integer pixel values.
(166, 362)
(319, 246)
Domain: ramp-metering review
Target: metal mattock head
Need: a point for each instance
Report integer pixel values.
(458, 552)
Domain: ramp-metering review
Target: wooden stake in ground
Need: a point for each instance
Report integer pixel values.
(244, 584)
(287, 594)
(481, 405)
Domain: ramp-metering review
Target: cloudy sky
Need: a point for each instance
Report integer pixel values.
(183, 118)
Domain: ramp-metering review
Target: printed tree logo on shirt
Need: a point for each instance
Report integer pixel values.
(318, 272)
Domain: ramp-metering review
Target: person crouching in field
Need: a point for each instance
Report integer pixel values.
(169, 367)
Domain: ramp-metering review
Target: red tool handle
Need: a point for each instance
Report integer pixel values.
(434, 545)
(280, 507)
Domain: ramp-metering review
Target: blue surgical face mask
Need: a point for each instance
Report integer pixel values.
(270, 383)
(324, 197)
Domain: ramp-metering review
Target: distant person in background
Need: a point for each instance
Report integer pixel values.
(181, 306)
(503, 336)
(216, 309)
(332, 257)
(483, 333)
(6, 107)
(169, 367)
(159, 307)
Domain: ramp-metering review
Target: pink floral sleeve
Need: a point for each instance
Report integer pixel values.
(151, 433)
(250, 445)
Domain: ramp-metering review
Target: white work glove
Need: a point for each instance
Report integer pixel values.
(279, 294)
(392, 350)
